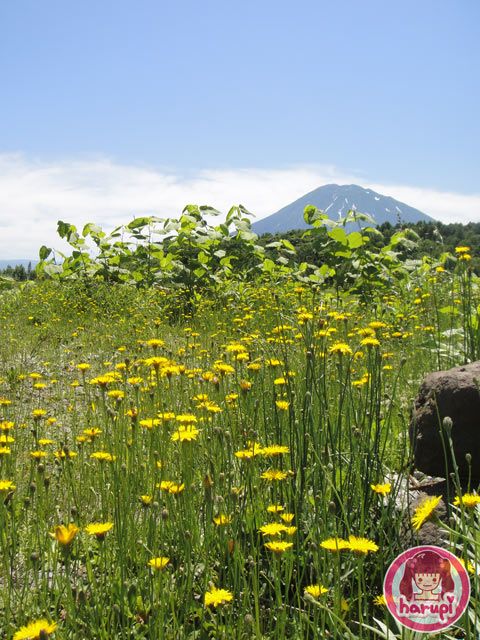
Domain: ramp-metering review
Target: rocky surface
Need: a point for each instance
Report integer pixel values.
(450, 394)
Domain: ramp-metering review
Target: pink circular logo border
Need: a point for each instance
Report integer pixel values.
(398, 563)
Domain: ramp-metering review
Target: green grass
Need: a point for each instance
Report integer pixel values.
(342, 417)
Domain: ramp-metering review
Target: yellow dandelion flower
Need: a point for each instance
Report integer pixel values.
(469, 500)
(382, 489)
(334, 544)
(315, 590)
(35, 630)
(158, 563)
(361, 546)
(274, 474)
(38, 455)
(370, 342)
(185, 434)
(272, 529)
(222, 519)
(287, 517)
(278, 546)
(103, 456)
(99, 529)
(274, 450)
(216, 597)
(275, 508)
(170, 487)
(341, 348)
(7, 485)
(65, 535)
(425, 511)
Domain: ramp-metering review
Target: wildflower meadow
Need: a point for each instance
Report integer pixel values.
(198, 440)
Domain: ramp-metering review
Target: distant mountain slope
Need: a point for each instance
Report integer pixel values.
(336, 200)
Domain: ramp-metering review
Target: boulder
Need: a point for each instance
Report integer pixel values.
(453, 394)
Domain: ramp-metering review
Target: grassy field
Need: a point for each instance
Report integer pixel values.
(231, 472)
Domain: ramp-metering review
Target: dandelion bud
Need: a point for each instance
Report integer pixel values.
(403, 361)
(447, 424)
(165, 514)
(74, 511)
(26, 502)
(332, 507)
(40, 468)
(46, 482)
(32, 487)
(248, 619)
(468, 458)
(34, 557)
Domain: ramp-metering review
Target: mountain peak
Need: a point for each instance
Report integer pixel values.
(336, 200)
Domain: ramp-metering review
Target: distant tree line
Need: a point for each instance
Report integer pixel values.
(434, 238)
(19, 273)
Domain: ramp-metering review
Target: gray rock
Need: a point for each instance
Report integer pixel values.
(454, 394)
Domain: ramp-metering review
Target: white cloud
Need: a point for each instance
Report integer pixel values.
(35, 194)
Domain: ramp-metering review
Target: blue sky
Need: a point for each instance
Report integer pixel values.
(380, 93)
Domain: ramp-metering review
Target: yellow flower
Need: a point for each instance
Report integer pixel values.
(274, 474)
(116, 394)
(462, 249)
(170, 487)
(273, 529)
(469, 500)
(222, 519)
(65, 534)
(383, 489)
(278, 546)
(316, 590)
(38, 413)
(361, 545)
(102, 456)
(149, 423)
(274, 450)
(275, 508)
(185, 434)
(37, 455)
(370, 342)
(7, 485)
(342, 348)
(380, 601)
(216, 597)
(61, 454)
(146, 500)
(99, 529)
(334, 544)
(158, 563)
(468, 566)
(424, 511)
(287, 517)
(186, 419)
(92, 432)
(155, 343)
(35, 630)
(282, 405)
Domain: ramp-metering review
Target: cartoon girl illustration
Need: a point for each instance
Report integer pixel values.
(427, 570)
